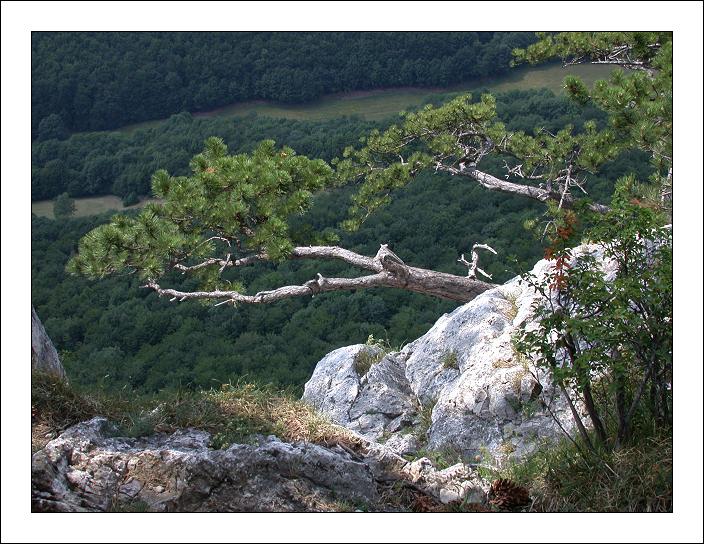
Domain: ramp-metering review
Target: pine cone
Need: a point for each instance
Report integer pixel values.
(506, 494)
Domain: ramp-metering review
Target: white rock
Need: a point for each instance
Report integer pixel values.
(485, 399)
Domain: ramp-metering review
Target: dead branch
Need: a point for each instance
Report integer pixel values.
(492, 183)
(472, 267)
(389, 271)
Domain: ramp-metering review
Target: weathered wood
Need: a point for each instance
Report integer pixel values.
(390, 271)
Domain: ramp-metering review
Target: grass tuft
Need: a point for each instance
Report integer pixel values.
(373, 352)
(232, 414)
(450, 360)
(634, 479)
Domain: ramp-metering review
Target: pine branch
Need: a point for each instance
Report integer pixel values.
(390, 271)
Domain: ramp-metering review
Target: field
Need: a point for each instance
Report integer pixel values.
(372, 105)
(384, 103)
(86, 206)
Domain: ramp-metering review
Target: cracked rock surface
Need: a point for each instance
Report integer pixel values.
(88, 469)
(85, 469)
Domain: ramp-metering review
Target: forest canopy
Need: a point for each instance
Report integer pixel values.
(86, 81)
(132, 339)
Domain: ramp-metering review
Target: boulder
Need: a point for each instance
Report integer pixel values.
(461, 387)
(348, 393)
(44, 355)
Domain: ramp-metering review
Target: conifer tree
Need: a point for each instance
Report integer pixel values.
(234, 210)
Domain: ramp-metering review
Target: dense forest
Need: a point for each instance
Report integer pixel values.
(115, 334)
(122, 163)
(102, 80)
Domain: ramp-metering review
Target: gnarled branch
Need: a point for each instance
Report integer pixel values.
(472, 267)
(389, 271)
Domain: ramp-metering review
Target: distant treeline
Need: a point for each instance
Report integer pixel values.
(84, 81)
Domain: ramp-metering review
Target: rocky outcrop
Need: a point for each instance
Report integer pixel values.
(89, 469)
(44, 355)
(461, 388)
(337, 389)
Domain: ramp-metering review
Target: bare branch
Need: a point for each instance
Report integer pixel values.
(495, 184)
(390, 271)
(223, 263)
(472, 267)
(619, 55)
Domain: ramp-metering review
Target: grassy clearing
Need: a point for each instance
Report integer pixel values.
(93, 205)
(385, 103)
(232, 414)
(369, 105)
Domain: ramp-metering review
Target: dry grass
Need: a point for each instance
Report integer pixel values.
(231, 414)
(511, 296)
(634, 479)
(265, 408)
(516, 379)
(504, 363)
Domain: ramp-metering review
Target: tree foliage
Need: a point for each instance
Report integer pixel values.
(609, 330)
(64, 206)
(242, 201)
(548, 166)
(638, 102)
(440, 146)
(616, 334)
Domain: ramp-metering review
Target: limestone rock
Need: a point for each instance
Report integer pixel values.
(403, 444)
(337, 389)
(85, 469)
(44, 355)
(89, 469)
(456, 483)
(335, 383)
(482, 399)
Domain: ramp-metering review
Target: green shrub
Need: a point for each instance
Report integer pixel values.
(450, 360)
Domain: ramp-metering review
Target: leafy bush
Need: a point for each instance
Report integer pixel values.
(615, 334)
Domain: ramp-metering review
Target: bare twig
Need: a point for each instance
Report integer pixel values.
(472, 267)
